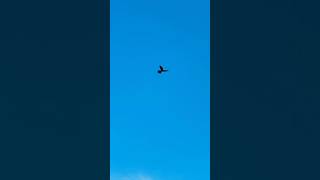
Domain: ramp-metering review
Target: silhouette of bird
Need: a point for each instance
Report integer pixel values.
(162, 70)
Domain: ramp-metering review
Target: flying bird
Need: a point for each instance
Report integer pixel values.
(162, 70)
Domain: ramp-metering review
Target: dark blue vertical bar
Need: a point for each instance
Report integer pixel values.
(265, 89)
(54, 94)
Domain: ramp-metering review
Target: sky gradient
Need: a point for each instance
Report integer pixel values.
(160, 123)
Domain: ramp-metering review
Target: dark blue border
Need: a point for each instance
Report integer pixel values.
(54, 94)
(265, 88)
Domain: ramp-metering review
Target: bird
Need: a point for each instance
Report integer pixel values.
(162, 70)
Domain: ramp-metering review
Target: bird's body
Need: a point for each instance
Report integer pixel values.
(162, 70)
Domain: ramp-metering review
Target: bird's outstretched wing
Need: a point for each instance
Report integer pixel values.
(161, 68)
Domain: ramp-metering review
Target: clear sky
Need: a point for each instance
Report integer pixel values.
(160, 123)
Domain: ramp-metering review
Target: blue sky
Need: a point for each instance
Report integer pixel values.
(160, 123)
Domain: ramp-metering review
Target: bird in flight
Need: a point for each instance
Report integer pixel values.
(162, 70)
